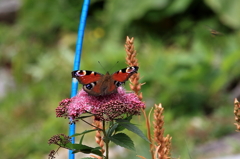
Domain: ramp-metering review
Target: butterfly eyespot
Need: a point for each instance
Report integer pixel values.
(80, 73)
(89, 86)
(118, 83)
(131, 69)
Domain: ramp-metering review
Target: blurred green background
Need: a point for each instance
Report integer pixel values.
(194, 74)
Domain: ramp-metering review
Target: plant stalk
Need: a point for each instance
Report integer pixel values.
(106, 140)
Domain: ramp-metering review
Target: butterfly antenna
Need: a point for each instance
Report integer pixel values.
(104, 67)
(114, 66)
(101, 65)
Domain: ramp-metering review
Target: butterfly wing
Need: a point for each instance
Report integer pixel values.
(90, 81)
(86, 77)
(124, 74)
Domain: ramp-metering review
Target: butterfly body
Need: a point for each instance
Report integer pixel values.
(97, 84)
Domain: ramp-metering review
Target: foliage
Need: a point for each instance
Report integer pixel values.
(111, 134)
(184, 67)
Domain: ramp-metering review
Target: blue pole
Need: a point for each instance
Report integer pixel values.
(76, 65)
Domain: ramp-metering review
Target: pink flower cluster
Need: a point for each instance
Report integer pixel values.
(61, 110)
(104, 108)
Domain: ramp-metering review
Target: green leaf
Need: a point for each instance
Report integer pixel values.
(121, 128)
(86, 149)
(79, 147)
(83, 148)
(81, 139)
(128, 118)
(84, 132)
(112, 129)
(131, 127)
(123, 140)
(97, 151)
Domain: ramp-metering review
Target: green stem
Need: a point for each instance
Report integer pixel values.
(92, 125)
(105, 140)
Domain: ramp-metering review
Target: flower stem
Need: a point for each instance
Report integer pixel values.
(92, 125)
(148, 133)
(106, 140)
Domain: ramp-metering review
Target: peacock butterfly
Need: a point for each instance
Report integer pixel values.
(97, 84)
